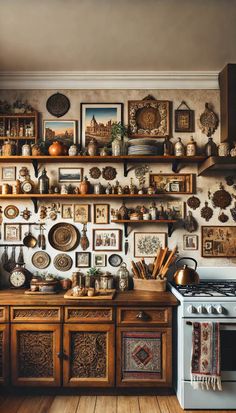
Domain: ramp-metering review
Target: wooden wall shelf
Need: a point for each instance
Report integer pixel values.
(217, 163)
(126, 222)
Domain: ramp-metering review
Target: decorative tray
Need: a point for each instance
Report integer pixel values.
(100, 295)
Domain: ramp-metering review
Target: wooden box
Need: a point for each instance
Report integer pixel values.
(149, 285)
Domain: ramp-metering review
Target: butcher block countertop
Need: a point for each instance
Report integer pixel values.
(127, 298)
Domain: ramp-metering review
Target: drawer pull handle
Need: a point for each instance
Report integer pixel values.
(60, 355)
(142, 316)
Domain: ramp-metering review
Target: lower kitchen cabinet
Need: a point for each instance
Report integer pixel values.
(35, 354)
(144, 356)
(4, 353)
(89, 353)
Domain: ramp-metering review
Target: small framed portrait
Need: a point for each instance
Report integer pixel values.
(107, 239)
(190, 242)
(12, 232)
(184, 118)
(146, 244)
(101, 213)
(97, 120)
(67, 211)
(60, 130)
(83, 259)
(178, 208)
(82, 213)
(70, 174)
(8, 173)
(99, 260)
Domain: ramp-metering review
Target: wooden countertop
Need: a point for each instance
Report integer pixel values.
(128, 298)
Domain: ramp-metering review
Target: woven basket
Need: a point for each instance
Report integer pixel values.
(149, 285)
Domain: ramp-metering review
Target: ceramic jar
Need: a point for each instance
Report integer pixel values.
(26, 150)
(223, 149)
(211, 148)
(116, 147)
(98, 189)
(179, 148)
(92, 147)
(84, 186)
(56, 149)
(73, 150)
(8, 148)
(191, 149)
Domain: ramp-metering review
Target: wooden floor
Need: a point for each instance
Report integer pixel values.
(94, 404)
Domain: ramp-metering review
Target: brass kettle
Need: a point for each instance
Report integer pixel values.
(185, 275)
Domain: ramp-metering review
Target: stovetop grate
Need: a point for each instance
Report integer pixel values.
(208, 289)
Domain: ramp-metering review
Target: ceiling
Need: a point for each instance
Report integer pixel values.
(117, 34)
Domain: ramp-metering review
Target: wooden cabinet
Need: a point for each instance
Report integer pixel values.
(88, 355)
(227, 82)
(4, 353)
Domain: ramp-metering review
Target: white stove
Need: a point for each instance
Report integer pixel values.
(211, 300)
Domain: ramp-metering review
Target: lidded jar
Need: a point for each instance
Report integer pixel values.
(73, 150)
(26, 150)
(191, 149)
(123, 277)
(179, 148)
(92, 147)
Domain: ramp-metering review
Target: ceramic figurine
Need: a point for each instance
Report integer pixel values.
(64, 189)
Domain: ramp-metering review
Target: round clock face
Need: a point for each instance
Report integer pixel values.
(26, 187)
(17, 279)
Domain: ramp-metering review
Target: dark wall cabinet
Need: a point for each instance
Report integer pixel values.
(227, 82)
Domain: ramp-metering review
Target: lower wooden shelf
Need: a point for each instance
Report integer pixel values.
(126, 222)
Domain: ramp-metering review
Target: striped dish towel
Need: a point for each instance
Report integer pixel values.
(205, 363)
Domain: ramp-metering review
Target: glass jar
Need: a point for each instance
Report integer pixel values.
(106, 281)
(123, 277)
(44, 183)
(179, 148)
(8, 148)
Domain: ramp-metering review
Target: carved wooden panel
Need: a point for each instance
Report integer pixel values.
(4, 314)
(29, 314)
(1, 353)
(75, 314)
(160, 315)
(4, 352)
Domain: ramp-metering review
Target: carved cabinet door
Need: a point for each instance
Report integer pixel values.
(88, 355)
(35, 354)
(4, 353)
(144, 356)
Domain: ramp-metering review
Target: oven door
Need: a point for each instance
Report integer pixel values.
(227, 343)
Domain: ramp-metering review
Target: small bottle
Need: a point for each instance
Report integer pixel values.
(191, 149)
(211, 148)
(44, 183)
(167, 147)
(179, 148)
(153, 211)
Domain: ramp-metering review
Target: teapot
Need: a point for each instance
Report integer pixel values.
(185, 275)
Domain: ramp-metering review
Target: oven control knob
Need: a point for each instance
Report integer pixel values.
(201, 309)
(191, 309)
(219, 309)
(210, 309)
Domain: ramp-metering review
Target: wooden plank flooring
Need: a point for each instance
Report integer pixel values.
(94, 404)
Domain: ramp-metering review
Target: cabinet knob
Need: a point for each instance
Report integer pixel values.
(60, 355)
(142, 316)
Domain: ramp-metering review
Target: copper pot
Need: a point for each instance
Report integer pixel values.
(186, 275)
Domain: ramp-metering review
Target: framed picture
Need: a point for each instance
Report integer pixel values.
(172, 183)
(70, 174)
(12, 232)
(82, 213)
(146, 244)
(67, 211)
(101, 213)
(190, 242)
(149, 118)
(178, 207)
(83, 259)
(184, 118)
(97, 120)
(107, 239)
(219, 241)
(99, 260)
(8, 173)
(60, 130)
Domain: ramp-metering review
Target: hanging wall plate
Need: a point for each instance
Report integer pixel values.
(41, 259)
(11, 212)
(115, 260)
(58, 105)
(62, 262)
(221, 198)
(193, 202)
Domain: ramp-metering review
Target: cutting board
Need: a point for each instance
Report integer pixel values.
(100, 295)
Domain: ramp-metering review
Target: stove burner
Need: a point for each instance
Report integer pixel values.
(208, 289)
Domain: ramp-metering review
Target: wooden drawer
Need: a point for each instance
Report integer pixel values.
(37, 314)
(4, 314)
(138, 316)
(88, 314)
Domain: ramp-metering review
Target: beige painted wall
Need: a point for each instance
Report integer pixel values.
(117, 35)
(196, 100)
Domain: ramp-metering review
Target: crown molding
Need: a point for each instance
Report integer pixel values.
(109, 80)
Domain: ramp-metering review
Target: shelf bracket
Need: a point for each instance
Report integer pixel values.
(126, 229)
(126, 169)
(36, 168)
(36, 206)
(170, 228)
(175, 165)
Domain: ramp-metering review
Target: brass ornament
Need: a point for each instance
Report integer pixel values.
(206, 212)
(62, 262)
(109, 173)
(223, 217)
(221, 198)
(208, 121)
(193, 202)
(95, 172)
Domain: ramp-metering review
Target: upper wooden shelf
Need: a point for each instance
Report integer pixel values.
(217, 163)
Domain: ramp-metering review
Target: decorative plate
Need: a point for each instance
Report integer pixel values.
(109, 173)
(193, 202)
(11, 212)
(58, 105)
(115, 260)
(95, 172)
(41, 259)
(221, 198)
(62, 262)
(64, 237)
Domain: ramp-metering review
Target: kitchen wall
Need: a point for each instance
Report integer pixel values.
(196, 100)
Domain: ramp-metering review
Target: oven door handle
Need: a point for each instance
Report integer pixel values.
(223, 326)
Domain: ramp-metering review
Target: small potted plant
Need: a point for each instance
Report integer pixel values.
(92, 275)
(118, 144)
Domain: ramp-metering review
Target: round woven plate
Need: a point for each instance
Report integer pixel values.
(58, 105)
(41, 259)
(64, 237)
(11, 212)
(62, 262)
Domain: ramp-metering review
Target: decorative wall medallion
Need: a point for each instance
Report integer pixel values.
(58, 105)
(62, 262)
(41, 259)
(221, 198)
(206, 212)
(193, 202)
(223, 217)
(208, 121)
(109, 173)
(95, 172)
(11, 212)
(233, 212)
(229, 180)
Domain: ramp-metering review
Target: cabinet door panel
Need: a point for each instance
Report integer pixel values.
(34, 352)
(4, 353)
(144, 357)
(88, 355)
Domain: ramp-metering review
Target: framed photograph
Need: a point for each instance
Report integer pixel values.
(99, 260)
(83, 259)
(67, 211)
(149, 118)
(101, 213)
(107, 239)
(97, 120)
(8, 173)
(184, 118)
(12, 232)
(146, 244)
(190, 242)
(60, 130)
(82, 213)
(219, 241)
(70, 174)
(178, 207)
(173, 183)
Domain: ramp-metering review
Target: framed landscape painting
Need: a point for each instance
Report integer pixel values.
(59, 130)
(97, 120)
